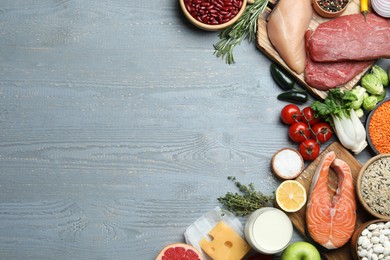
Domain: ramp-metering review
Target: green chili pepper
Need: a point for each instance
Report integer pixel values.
(281, 77)
(297, 97)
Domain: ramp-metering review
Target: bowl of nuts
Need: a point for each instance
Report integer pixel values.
(373, 186)
(371, 240)
(213, 15)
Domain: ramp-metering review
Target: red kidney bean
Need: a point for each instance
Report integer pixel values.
(213, 11)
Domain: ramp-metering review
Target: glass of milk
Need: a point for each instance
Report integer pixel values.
(268, 230)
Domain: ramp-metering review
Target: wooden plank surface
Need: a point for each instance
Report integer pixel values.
(267, 48)
(119, 127)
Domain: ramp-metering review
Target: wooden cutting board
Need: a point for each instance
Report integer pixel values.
(266, 47)
(298, 218)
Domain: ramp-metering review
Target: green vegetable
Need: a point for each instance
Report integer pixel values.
(359, 112)
(281, 77)
(247, 202)
(370, 102)
(359, 92)
(244, 28)
(297, 97)
(337, 109)
(382, 96)
(381, 74)
(372, 84)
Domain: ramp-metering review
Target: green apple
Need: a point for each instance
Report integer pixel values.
(301, 251)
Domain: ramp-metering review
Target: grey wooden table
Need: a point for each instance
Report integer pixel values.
(119, 127)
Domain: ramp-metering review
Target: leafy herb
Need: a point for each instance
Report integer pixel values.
(247, 202)
(244, 28)
(337, 102)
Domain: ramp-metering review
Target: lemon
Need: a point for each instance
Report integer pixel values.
(290, 196)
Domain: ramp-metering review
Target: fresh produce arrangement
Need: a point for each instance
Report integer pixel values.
(320, 200)
(340, 112)
(306, 129)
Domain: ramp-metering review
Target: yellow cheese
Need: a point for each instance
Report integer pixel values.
(225, 243)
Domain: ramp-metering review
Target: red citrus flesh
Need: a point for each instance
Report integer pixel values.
(179, 251)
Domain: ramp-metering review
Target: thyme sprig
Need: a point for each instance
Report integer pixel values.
(247, 202)
(244, 28)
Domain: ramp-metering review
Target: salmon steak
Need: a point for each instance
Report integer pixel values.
(331, 216)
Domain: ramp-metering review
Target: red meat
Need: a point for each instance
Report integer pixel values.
(327, 75)
(351, 37)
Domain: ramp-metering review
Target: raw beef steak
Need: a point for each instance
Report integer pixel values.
(351, 37)
(327, 75)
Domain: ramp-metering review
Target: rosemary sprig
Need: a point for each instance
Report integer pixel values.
(244, 28)
(247, 202)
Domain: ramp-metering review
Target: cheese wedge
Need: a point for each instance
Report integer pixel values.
(225, 243)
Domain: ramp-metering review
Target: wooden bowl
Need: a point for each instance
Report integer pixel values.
(356, 235)
(327, 14)
(212, 27)
(381, 190)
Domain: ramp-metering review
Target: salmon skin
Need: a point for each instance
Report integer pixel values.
(331, 218)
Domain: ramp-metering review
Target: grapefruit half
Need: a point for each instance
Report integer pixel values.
(179, 251)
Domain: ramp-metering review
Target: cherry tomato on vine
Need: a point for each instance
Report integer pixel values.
(309, 149)
(308, 115)
(323, 132)
(299, 132)
(290, 114)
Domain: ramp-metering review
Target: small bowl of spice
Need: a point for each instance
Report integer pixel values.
(330, 8)
(373, 186)
(378, 129)
(213, 15)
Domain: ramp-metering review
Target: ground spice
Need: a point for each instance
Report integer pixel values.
(379, 128)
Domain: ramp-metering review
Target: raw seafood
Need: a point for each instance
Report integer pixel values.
(351, 37)
(331, 218)
(286, 30)
(327, 75)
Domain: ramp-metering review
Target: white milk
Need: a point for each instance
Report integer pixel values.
(268, 230)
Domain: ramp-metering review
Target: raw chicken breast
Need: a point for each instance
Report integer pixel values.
(286, 29)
